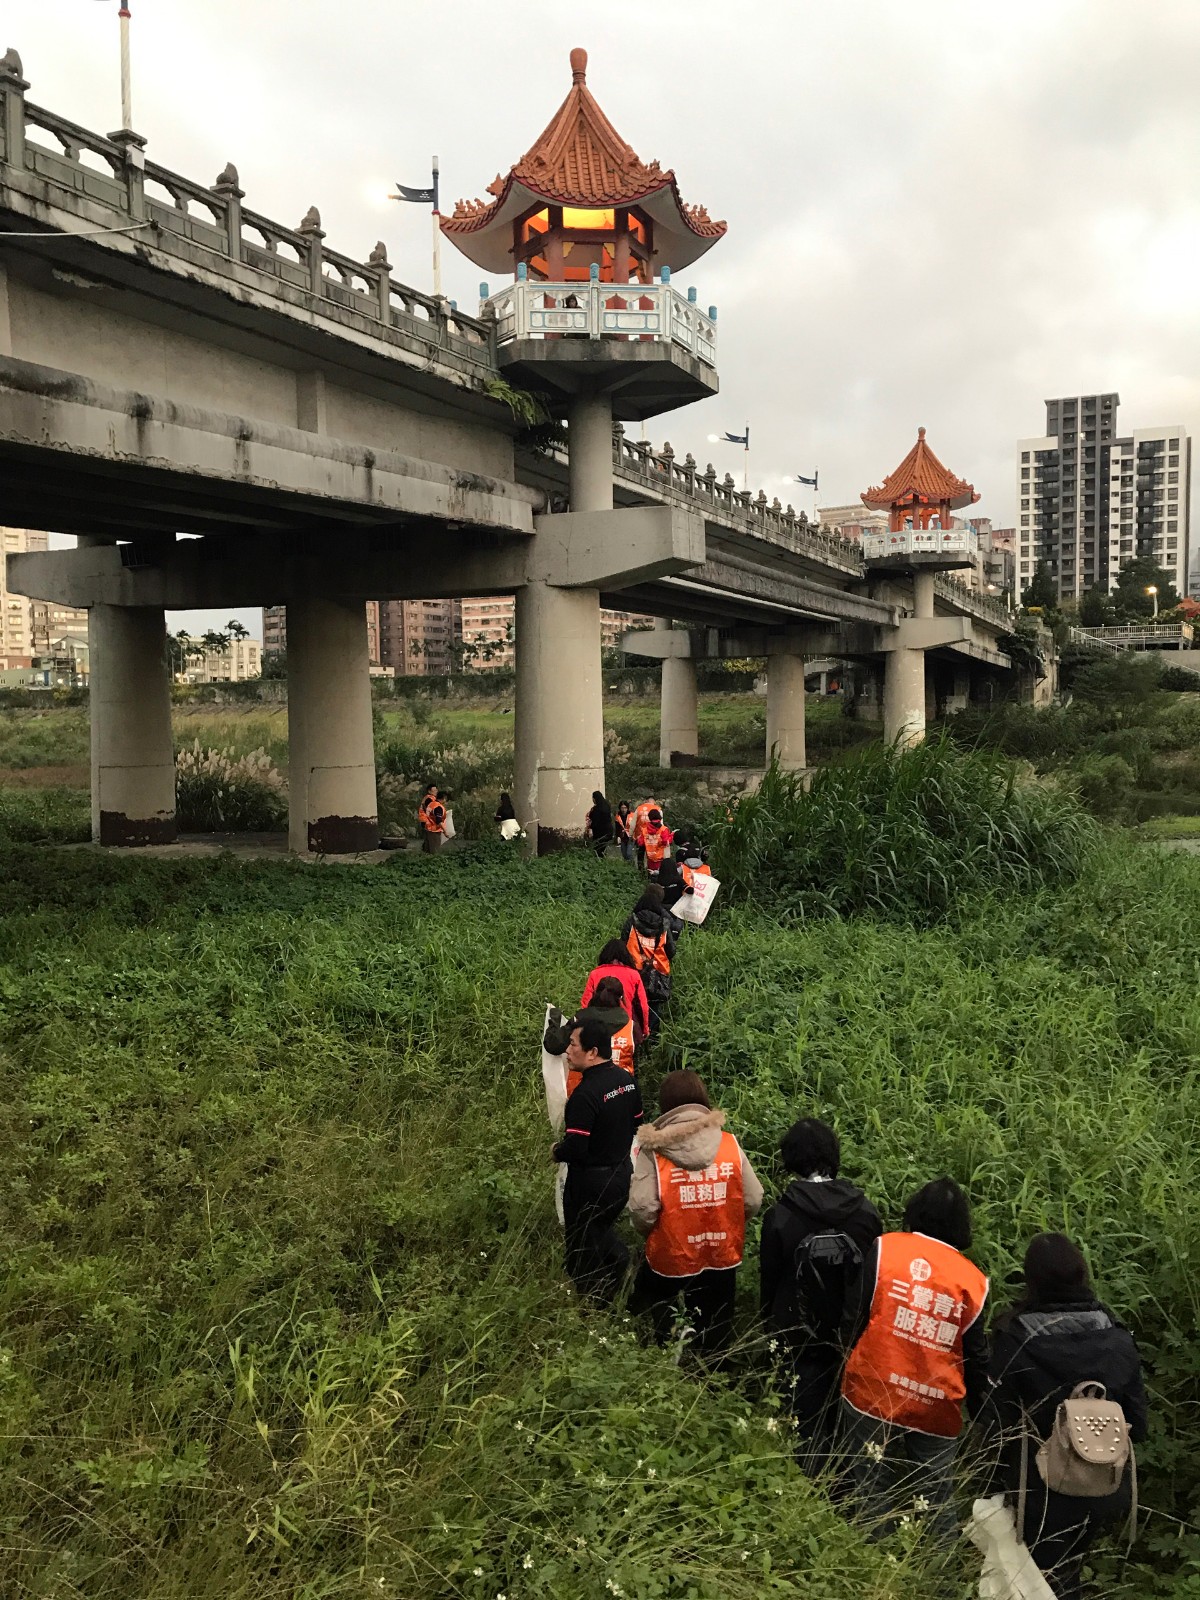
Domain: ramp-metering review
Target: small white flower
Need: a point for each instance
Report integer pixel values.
(520, 1427)
(874, 1449)
(745, 1555)
(741, 1422)
(652, 1472)
(773, 1346)
(483, 1253)
(527, 1562)
(479, 1572)
(580, 1541)
(772, 1424)
(920, 1504)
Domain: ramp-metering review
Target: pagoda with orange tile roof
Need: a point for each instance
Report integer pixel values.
(580, 199)
(920, 498)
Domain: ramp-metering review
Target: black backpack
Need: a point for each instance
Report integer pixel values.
(823, 1267)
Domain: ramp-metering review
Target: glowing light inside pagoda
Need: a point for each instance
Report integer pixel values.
(573, 217)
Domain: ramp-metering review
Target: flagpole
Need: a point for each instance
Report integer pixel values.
(126, 91)
(437, 236)
(746, 464)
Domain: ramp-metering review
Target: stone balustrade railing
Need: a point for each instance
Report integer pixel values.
(660, 471)
(93, 176)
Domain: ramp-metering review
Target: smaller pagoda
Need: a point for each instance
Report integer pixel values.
(580, 202)
(920, 498)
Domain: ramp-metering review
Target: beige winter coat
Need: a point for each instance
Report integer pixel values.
(689, 1136)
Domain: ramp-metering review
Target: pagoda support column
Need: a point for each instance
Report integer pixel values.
(904, 698)
(922, 594)
(785, 710)
(679, 718)
(559, 734)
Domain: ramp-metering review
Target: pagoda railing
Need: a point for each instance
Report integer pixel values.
(921, 542)
(653, 312)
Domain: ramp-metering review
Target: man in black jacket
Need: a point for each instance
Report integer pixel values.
(813, 1241)
(602, 1117)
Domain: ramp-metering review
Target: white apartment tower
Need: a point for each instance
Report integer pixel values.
(1088, 500)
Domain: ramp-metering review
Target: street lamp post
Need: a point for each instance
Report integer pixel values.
(123, 14)
(1152, 591)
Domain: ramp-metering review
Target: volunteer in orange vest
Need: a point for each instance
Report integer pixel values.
(431, 814)
(693, 1191)
(607, 1007)
(649, 935)
(656, 841)
(914, 1330)
(639, 824)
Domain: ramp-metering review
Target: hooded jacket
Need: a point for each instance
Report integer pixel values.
(558, 1038)
(807, 1207)
(689, 1136)
(1039, 1356)
(650, 922)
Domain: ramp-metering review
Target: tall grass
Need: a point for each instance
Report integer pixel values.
(907, 834)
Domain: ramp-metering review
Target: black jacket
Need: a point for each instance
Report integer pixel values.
(558, 1036)
(1037, 1359)
(602, 1117)
(670, 881)
(600, 822)
(974, 1340)
(803, 1209)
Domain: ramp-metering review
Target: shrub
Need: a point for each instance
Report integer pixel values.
(1179, 680)
(901, 833)
(217, 791)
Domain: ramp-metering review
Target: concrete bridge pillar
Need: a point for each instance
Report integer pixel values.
(133, 759)
(785, 710)
(679, 718)
(904, 697)
(559, 734)
(332, 808)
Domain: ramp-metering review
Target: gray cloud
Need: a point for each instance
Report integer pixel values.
(939, 212)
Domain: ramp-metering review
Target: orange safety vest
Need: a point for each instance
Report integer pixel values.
(908, 1368)
(622, 1054)
(656, 842)
(649, 952)
(641, 819)
(702, 1223)
(433, 816)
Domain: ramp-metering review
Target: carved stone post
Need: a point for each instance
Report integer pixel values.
(383, 280)
(231, 196)
(12, 88)
(133, 146)
(312, 233)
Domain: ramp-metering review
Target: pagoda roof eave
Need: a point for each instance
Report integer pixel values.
(485, 236)
(921, 479)
(882, 499)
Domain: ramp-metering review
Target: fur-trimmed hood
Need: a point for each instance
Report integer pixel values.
(689, 1136)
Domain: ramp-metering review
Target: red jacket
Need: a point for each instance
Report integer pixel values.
(632, 987)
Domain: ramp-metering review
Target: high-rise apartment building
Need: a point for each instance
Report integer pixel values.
(1089, 501)
(418, 638)
(16, 615)
(275, 630)
(488, 631)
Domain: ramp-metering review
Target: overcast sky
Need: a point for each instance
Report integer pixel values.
(940, 212)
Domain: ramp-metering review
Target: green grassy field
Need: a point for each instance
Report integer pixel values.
(281, 1303)
(44, 756)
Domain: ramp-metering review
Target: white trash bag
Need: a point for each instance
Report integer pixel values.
(1009, 1571)
(448, 825)
(554, 1077)
(695, 907)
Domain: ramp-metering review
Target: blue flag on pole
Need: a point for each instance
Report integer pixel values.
(737, 438)
(812, 482)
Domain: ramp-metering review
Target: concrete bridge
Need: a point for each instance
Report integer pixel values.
(226, 412)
